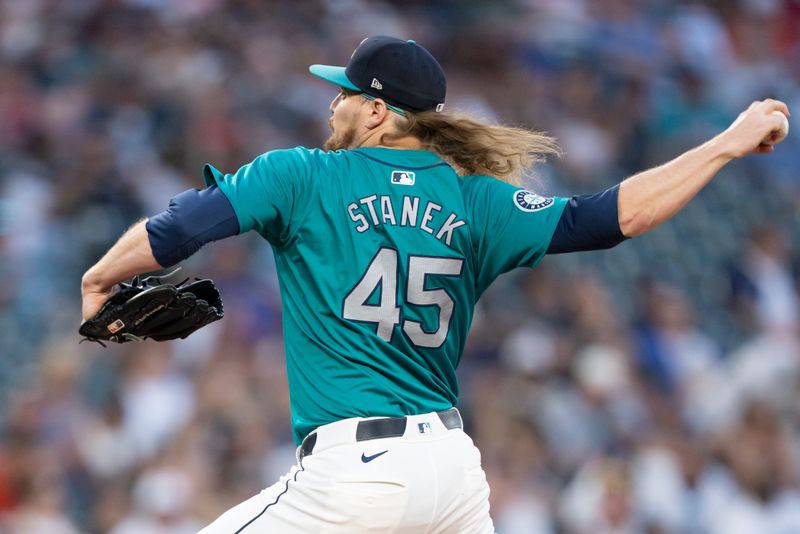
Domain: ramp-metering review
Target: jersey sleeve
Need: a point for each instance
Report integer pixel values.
(263, 193)
(512, 227)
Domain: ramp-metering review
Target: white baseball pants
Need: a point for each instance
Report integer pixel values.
(429, 480)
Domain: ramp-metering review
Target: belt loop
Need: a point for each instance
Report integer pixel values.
(307, 447)
(451, 418)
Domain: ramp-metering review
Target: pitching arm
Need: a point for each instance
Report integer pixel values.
(588, 222)
(651, 197)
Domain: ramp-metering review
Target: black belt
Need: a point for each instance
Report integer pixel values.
(385, 427)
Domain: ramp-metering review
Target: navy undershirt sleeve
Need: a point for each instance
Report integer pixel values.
(194, 218)
(588, 222)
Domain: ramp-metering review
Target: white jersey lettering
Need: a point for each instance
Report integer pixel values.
(357, 218)
(410, 209)
(447, 228)
(387, 212)
(429, 209)
(368, 202)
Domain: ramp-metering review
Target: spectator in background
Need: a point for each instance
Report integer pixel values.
(763, 493)
(672, 350)
(764, 285)
(41, 500)
(161, 500)
(599, 500)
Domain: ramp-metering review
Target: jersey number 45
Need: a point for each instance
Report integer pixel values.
(382, 271)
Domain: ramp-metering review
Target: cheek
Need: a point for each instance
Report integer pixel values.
(339, 122)
(345, 113)
(336, 116)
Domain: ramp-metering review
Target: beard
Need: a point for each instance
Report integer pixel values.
(341, 140)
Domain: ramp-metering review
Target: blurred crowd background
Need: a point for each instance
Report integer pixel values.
(649, 389)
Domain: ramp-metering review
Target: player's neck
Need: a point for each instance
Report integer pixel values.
(404, 143)
(408, 143)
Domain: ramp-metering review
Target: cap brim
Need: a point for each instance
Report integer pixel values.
(334, 75)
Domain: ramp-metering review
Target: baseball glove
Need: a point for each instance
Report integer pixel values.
(151, 309)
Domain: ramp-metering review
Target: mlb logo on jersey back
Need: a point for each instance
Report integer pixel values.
(424, 428)
(403, 177)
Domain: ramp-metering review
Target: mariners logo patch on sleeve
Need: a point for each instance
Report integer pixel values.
(529, 201)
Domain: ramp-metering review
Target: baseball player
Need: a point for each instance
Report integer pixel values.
(384, 241)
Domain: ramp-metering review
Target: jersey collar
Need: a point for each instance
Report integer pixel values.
(408, 159)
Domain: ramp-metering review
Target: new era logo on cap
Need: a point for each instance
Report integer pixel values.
(376, 84)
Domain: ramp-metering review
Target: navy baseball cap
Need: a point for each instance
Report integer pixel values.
(400, 72)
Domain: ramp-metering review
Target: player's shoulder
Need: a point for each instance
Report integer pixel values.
(481, 191)
(483, 187)
(301, 163)
(299, 155)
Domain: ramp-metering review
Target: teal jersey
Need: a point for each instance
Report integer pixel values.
(381, 256)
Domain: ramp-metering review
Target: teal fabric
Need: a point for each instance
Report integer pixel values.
(334, 75)
(374, 248)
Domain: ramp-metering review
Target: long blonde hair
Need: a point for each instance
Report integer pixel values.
(473, 147)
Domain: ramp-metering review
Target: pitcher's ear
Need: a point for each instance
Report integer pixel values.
(378, 113)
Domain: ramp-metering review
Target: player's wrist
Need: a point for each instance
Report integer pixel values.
(722, 148)
(91, 282)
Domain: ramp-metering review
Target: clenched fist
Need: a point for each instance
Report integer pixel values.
(755, 129)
